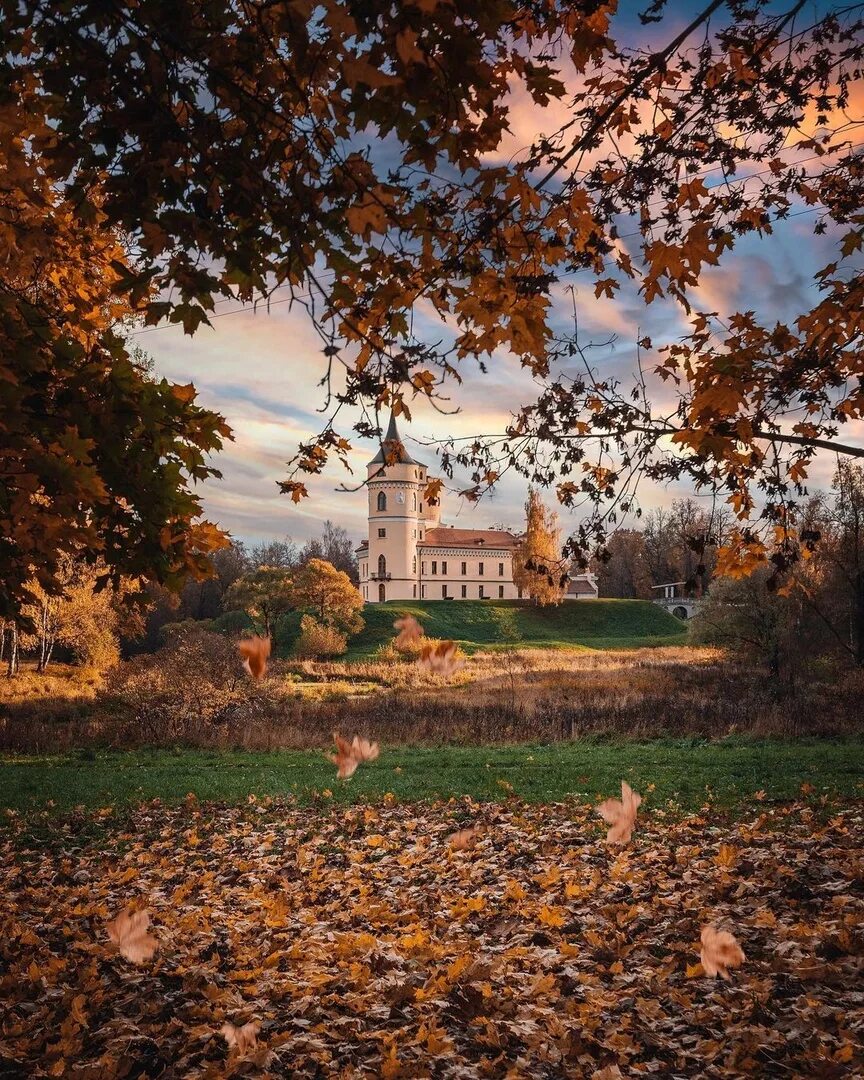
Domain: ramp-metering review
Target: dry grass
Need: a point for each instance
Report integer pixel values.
(531, 695)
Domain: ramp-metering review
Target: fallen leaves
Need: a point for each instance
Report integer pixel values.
(543, 953)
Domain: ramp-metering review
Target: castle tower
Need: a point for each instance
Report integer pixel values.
(395, 482)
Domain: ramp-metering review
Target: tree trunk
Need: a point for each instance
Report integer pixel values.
(12, 664)
(858, 617)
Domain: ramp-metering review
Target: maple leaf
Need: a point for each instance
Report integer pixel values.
(720, 951)
(349, 755)
(241, 1040)
(410, 631)
(439, 658)
(464, 839)
(128, 931)
(620, 814)
(255, 651)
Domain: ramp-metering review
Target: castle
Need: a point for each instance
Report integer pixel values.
(410, 555)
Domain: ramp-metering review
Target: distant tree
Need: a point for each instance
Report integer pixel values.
(329, 596)
(625, 574)
(538, 568)
(85, 619)
(835, 573)
(279, 553)
(333, 546)
(749, 614)
(265, 595)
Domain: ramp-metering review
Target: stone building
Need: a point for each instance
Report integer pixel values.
(411, 555)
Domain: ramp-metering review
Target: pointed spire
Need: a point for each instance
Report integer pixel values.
(393, 450)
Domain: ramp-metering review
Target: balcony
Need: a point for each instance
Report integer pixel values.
(380, 577)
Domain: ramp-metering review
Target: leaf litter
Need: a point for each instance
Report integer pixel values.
(362, 942)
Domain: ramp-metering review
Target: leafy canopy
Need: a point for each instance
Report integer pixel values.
(352, 155)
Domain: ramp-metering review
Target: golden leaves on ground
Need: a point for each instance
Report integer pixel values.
(541, 946)
(128, 931)
(410, 631)
(255, 652)
(620, 814)
(349, 755)
(439, 658)
(720, 951)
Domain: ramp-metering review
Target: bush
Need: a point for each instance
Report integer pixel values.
(317, 640)
(196, 682)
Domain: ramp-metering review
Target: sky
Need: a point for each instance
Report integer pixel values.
(260, 370)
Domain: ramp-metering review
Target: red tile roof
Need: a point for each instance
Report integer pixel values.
(479, 538)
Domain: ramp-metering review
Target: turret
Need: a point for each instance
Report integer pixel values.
(396, 521)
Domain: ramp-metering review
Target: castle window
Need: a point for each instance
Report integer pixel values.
(443, 592)
(414, 565)
(443, 567)
(480, 593)
(423, 567)
(422, 592)
(464, 569)
(500, 569)
(382, 566)
(414, 592)
(382, 501)
(421, 534)
(421, 507)
(382, 595)
(480, 569)
(500, 592)
(382, 533)
(464, 592)
(434, 567)
(415, 500)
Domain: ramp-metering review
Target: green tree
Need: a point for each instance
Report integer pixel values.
(327, 594)
(265, 594)
(538, 568)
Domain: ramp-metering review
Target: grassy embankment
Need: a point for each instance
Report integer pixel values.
(485, 624)
(686, 771)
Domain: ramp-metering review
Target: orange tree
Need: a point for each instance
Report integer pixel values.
(96, 456)
(345, 152)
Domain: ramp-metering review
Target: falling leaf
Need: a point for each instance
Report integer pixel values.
(409, 629)
(241, 1040)
(439, 658)
(255, 651)
(464, 839)
(620, 815)
(349, 755)
(720, 951)
(128, 931)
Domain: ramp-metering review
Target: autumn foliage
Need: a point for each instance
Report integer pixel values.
(229, 146)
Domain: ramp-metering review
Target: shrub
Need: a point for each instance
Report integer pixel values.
(317, 640)
(194, 683)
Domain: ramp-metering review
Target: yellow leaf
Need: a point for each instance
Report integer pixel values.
(694, 971)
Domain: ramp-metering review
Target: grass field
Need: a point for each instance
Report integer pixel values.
(685, 771)
(481, 624)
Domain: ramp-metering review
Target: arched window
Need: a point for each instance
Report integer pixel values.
(382, 566)
(382, 595)
(382, 501)
(414, 565)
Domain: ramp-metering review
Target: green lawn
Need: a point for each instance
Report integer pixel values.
(597, 624)
(684, 771)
